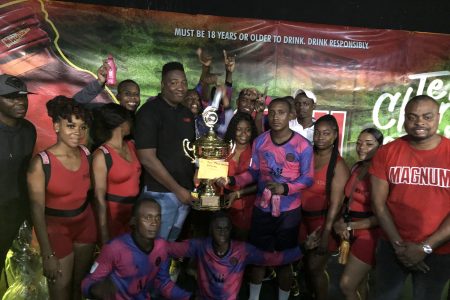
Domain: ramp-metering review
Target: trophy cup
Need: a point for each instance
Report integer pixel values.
(23, 269)
(209, 153)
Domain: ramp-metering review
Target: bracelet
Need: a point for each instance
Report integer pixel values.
(49, 256)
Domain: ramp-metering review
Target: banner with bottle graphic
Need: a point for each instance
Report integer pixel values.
(362, 76)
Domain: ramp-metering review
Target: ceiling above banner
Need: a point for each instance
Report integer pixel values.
(417, 16)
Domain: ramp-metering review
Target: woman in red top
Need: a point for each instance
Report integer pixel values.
(242, 131)
(116, 170)
(58, 181)
(321, 203)
(358, 224)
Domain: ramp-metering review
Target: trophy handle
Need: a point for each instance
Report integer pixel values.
(187, 148)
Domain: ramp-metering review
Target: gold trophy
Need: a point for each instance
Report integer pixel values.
(209, 153)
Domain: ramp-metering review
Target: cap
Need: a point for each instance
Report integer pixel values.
(307, 93)
(11, 84)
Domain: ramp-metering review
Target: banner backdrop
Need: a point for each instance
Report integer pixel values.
(363, 76)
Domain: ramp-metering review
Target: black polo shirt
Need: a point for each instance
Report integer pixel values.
(16, 147)
(164, 127)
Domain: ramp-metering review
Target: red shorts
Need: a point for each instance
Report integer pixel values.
(364, 244)
(309, 224)
(118, 217)
(63, 232)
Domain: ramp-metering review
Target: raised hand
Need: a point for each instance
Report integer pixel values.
(204, 59)
(102, 72)
(260, 103)
(230, 61)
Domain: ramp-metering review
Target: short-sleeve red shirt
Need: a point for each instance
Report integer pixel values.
(419, 187)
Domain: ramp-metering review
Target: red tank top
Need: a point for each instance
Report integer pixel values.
(361, 196)
(314, 197)
(66, 189)
(236, 168)
(123, 177)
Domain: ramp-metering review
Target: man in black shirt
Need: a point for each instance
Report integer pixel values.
(17, 139)
(161, 126)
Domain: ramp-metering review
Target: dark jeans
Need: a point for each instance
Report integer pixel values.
(391, 275)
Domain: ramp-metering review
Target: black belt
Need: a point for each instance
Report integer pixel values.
(314, 213)
(120, 199)
(66, 213)
(360, 214)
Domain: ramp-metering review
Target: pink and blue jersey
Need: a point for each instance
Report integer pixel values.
(290, 163)
(220, 278)
(133, 271)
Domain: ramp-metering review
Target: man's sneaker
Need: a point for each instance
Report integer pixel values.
(271, 274)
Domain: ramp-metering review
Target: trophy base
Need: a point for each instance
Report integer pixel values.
(211, 203)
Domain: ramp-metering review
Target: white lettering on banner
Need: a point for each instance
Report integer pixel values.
(428, 176)
(318, 42)
(349, 44)
(266, 38)
(184, 32)
(226, 35)
(293, 40)
(270, 38)
(436, 89)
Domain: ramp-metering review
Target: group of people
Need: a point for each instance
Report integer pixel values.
(288, 189)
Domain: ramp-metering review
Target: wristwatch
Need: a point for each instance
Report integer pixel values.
(349, 227)
(427, 248)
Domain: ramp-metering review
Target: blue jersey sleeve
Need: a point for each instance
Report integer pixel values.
(100, 270)
(306, 178)
(167, 287)
(187, 248)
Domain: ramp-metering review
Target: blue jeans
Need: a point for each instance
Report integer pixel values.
(391, 275)
(173, 213)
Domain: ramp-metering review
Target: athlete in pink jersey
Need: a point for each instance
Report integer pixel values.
(221, 261)
(411, 197)
(132, 266)
(282, 167)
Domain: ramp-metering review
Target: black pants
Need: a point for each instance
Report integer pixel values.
(11, 217)
(391, 275)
